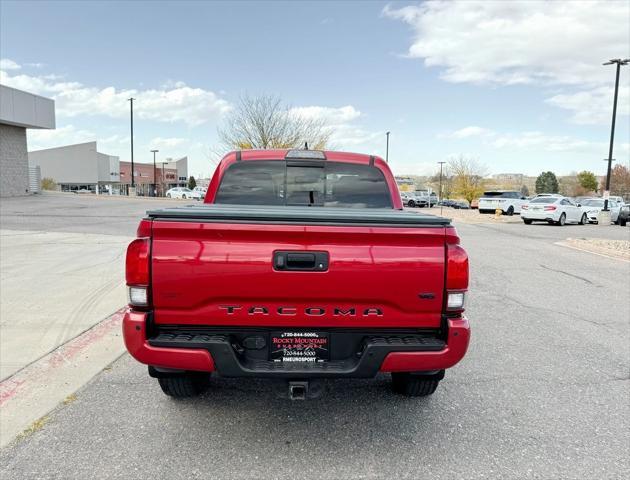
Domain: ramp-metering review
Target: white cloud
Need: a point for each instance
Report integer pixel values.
(332, 116)
(346, 133)
(67, 135)
(533, 140)
(163, 143)
(560, 43)
(472, 131)
(593, 106)
(8, 64)
(175, 103)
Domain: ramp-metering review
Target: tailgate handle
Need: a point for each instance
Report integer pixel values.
(303, 261)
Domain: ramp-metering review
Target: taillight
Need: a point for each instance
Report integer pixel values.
(550, 208)
(456, 277)
(524, 207)
(137, 271)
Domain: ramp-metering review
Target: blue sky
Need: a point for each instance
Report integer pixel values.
(518, 86)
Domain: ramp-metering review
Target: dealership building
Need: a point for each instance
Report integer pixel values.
(82, 168)
(20, 110)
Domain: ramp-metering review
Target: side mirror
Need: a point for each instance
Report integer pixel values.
(523, 198)
(579, 204)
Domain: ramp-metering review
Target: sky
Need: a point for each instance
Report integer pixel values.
(517, 86)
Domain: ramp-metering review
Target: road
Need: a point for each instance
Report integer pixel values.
(543, 393)
(62, 258)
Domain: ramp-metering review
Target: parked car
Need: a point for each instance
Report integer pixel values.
(183, 192)
(509, 202)
(624, 215)
(592, 206)
(409, 199)
(202, 191)
(426, 199)
(554, 209)
(460, 205)
(446, 203)
(278, 277)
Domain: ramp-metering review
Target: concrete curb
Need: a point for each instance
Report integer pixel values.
(38, 388)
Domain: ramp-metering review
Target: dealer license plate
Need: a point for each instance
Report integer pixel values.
(313, 347)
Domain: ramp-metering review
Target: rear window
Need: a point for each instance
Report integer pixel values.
(329, 184)
(546, 200)
(594, 203)
(501, 195)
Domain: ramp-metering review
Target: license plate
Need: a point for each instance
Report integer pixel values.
(312, 347)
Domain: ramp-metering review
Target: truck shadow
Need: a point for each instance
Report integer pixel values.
(364, 412)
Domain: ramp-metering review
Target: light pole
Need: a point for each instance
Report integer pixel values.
(619, 63)
(133, 182)
(441, 199)
(154, 174)
(387, 149)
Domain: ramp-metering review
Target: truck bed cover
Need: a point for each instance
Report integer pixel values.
(298, 215)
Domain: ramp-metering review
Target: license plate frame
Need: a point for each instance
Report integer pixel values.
(292, 346)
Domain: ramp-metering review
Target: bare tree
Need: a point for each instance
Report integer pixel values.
(265, 122)
(468, 177)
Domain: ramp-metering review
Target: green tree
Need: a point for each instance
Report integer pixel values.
(547, 183)
(192, 183)
(587, 181)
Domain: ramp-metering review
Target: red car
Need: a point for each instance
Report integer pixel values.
(301, 265)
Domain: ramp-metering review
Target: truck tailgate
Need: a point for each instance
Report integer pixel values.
(210, 272)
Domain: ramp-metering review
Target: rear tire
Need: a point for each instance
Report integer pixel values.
(412, 385)
(527, 221)
(510, 211)
(623, 222)
(562, 221)
(184, 386)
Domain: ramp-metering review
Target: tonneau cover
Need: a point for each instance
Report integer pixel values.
(300, 215)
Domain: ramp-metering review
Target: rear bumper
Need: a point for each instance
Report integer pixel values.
(209, 353)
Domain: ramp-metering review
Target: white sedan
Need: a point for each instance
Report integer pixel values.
(553, 209)
(183, 192)
(592, 206)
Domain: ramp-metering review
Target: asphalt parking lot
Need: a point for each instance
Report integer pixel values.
(542, 393)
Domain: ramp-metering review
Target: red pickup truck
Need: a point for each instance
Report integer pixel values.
(299, 266)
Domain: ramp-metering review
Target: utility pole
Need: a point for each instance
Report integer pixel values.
(441, 199)
(154, 174)
(133, 182)
(387, 149)
(619, 63)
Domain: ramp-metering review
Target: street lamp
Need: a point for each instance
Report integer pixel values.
(154, 174)
(441, 199)
(387, 149)
(619, 63)
(133, 183)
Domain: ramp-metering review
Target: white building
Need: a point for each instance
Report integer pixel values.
(18, 111)
(78, 167)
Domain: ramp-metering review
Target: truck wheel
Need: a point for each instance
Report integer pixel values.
(527, 221)
(622, 222)
(184, 386)
(415, 385)
(510, 211)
